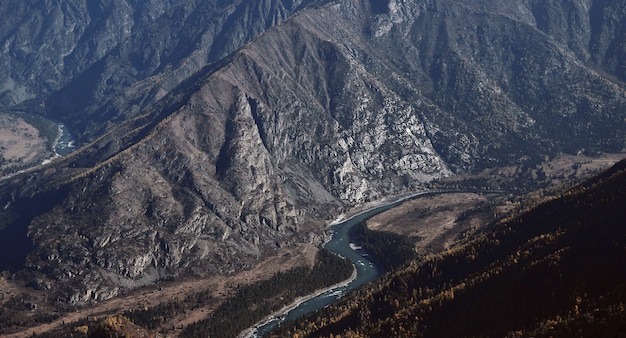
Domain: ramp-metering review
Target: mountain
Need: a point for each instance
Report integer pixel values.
(214, 133)
(555, 269)
(92, 63)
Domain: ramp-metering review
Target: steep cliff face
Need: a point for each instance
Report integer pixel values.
(505, 83)
(209, 152)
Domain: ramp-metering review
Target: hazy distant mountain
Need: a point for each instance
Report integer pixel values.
(215, 132)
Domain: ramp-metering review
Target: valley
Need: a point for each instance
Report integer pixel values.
(219, 139)
(435, 222)
(566, 259)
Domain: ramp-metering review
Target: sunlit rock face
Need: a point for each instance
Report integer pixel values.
(216, 133)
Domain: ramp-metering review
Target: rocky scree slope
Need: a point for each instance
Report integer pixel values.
(335, 106)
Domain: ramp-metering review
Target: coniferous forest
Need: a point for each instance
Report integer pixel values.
(248, 305)
(252, 303)
(389, 249)
(555, 268)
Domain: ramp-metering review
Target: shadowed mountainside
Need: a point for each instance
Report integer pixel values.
(556, 269)
(93, 64)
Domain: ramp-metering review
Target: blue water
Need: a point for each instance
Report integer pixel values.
(65, 141)
(366, 269)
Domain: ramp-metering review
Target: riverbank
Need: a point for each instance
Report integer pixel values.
(64, 144)
(369, 206)
(363, 272)
(251, 332)
(55, 144)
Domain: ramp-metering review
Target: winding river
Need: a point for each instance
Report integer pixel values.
(345, 244)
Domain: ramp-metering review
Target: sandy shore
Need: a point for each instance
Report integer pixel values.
(251, 332)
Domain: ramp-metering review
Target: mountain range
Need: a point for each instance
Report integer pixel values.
(214, 133)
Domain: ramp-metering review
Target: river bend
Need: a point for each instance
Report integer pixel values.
(345, 244)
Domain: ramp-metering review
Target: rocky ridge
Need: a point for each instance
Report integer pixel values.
(200, 167)
(94, 64)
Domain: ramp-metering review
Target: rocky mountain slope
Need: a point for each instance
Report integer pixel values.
(215, 133)
(96, 63)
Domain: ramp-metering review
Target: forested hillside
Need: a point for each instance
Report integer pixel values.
(556, 268)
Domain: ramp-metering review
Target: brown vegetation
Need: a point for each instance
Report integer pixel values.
(436, 220)
(219, 287)
(553, 269)
(21, 145)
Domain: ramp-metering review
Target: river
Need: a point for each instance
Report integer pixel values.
(345, 244)
(64, 144)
